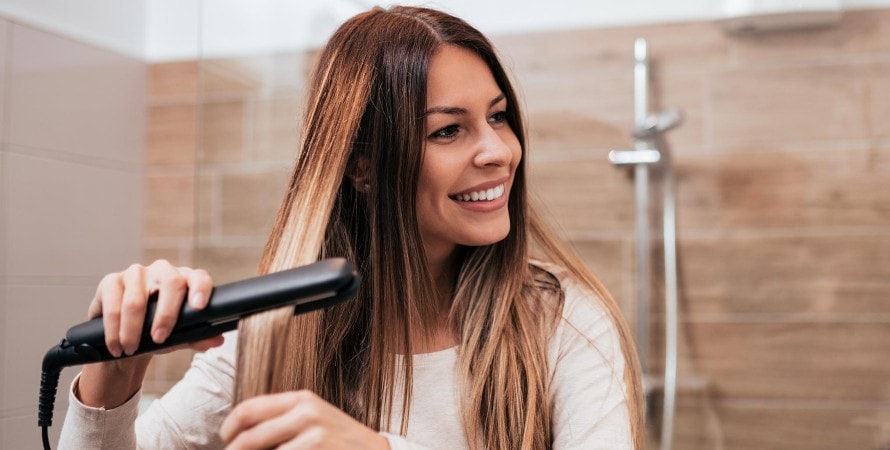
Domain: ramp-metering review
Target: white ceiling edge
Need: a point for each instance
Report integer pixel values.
(168, 30)
(115, 25)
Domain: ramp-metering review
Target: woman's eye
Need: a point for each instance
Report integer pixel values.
(445, 133)
(498, 117)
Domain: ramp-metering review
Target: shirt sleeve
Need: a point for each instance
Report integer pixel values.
(187, 416)
(588, 391)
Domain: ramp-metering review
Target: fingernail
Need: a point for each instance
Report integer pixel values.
(197, 300)
(160, 334)
(115, 351)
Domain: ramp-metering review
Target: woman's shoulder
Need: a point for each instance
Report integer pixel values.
(578, 301)
(582, 316)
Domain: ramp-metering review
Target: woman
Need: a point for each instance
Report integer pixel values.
(411, 165)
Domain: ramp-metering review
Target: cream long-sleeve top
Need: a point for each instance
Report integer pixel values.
(587, 390)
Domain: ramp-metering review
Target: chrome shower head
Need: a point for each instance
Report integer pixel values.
(658, 123)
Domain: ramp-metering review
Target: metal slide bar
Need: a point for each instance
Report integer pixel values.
(648, 131)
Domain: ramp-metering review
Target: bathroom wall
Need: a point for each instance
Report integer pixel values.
(71, 172)
(782, 164)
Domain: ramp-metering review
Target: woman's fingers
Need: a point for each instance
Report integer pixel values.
(107, 304)
(170, 285)
(256, 410)
(121, 299)
(132, 308)
(199, 285)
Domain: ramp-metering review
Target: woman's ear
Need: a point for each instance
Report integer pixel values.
(359, 173)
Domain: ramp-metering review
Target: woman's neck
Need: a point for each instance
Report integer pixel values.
(443, 268)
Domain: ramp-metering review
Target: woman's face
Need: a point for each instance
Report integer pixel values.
(470, 156)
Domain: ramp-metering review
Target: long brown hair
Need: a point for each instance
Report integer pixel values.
(365, 114)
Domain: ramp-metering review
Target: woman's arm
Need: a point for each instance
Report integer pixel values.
(188, 416)
(588, 388)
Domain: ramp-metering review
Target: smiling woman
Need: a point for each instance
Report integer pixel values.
(411, 165)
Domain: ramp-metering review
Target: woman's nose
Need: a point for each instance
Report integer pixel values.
(492, 149)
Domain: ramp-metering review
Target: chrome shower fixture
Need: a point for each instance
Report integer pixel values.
(658, 123)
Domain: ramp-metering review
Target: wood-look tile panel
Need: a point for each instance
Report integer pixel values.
(879, 100)
(793, 360)
(178, 255)
(171, 134)
(705, 424)
(222, 132)
(611, 260)
(583, 196)
(811, 429)
(553, 133)
(169, 206)
(266, 74)
(859, 32)
(228, 264)
(604, 98)
(690, 46)
(273, 129)
(769, 188)
(173, 82)
(762, 104)
(819, 275)
(249, 202)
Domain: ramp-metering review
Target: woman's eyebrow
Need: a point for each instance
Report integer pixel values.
(459, 111)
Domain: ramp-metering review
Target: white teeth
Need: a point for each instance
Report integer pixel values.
(483, 195)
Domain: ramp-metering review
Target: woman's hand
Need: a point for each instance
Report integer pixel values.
(121, 300)
(295, 420)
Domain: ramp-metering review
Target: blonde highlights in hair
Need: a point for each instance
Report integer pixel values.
(365, 114)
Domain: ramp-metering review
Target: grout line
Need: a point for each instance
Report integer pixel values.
(692, 234)
(829, 318)
(800, 404)
(73, 158)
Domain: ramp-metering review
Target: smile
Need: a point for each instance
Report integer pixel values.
(484, 195)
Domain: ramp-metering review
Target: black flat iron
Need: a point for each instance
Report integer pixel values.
(307, 288)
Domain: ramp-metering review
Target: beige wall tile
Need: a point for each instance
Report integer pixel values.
(36, 319)
(249, 202)
(171, 134)
(794, 360)
(222, 132)
(4, 58)
(173, 82)
(767, 187)
(170, 206)
(68, 219)
(22, 432)
(755, 105)
(825, 276)
(71, 97)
